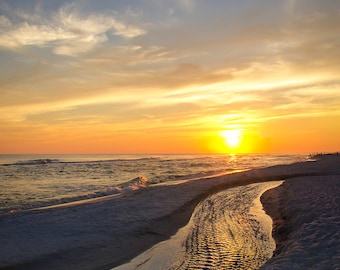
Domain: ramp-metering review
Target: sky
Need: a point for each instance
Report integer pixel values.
(169, 76)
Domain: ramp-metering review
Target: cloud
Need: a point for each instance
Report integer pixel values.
(129, 115)
(187, 74)
(182, 57)
(4, 21)
(67, 32)
(289, 5)
(187, 4)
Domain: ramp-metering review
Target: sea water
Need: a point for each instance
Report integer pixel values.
(31, 181)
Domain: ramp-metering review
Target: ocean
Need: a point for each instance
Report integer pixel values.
(33, 181)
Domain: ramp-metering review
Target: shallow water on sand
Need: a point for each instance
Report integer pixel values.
(228, 230)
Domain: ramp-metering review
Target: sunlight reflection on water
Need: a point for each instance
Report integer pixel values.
(228, 230)
(32, 181)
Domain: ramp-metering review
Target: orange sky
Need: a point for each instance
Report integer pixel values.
(169, 76)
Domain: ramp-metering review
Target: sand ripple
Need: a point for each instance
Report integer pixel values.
(226, 234)
(228, 230)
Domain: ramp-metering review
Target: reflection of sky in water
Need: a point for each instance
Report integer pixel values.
(228, 230)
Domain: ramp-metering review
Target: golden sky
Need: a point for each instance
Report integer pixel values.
(161, 76)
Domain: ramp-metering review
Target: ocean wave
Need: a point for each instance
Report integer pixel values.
(132, 185)
(34, 180)
(47, 161)
(183, 159)
(34, 162)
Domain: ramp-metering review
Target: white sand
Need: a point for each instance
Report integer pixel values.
(306, 213)
(105, 233)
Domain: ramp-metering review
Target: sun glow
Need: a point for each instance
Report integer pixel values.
(232, 138)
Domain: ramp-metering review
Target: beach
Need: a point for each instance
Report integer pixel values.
(227, 230)
(306, 227)
(110, 231)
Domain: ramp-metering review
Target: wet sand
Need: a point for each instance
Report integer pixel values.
(228, 230)
(90, 235)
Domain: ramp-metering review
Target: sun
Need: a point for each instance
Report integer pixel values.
(232, 137)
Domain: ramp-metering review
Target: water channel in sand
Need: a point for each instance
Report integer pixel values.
(228, 230)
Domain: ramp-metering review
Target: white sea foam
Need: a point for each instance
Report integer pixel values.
(132, 185)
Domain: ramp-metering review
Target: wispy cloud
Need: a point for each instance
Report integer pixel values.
(66, 32)
(289, 5)
(167, 65)
(187, 4)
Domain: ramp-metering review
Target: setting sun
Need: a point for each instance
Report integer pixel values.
(97, 78)
(232, 137)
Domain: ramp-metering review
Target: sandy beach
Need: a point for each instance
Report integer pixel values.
(306, 227)
(86, 236)
(126, 123)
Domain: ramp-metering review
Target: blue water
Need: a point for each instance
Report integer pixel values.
(30, 181)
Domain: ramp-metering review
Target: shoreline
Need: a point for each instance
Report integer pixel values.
(45, 238)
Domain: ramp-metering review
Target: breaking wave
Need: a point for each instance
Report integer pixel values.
(30, 181)
(34, 162)
(46, 161)
(132, 185)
